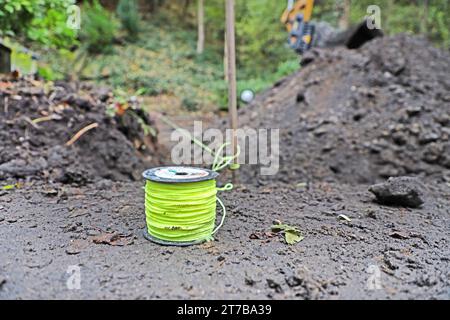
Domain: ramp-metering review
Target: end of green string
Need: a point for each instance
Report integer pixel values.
(227, 187)
(235, 166)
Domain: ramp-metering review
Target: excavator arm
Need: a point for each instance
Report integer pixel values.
(296, 18)
(303, 33)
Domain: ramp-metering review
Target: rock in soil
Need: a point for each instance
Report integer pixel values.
(400, 191)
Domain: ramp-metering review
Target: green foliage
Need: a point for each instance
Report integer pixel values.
(128, 13)
(163, 59)
(439, 30)
(47, 73)
(261, 38)
(41, 21)
(98, 28)
(58, 64)
(161, 63)
(410, 16)
(286, 68)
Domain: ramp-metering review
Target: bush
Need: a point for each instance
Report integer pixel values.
(41, 21)
(128, 13)
(98, 28)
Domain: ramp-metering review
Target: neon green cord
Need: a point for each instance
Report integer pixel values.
(219, 162)
(186, 212)
(182, 212)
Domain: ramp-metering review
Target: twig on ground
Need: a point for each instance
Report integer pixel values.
(47, 118)
(80, 133)
(5, 107)
(31, 122)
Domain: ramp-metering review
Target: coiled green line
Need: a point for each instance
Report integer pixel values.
(186, 212)
(183, 212)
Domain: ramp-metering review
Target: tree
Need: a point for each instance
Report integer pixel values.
(424, 26)
(43, 21)
(128, 13)
(344, 20)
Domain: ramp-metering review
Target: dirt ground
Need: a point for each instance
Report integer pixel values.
(45, 231)
(83, 205)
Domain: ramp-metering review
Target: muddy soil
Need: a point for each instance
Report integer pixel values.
(360, 116)
(37, 119)
(347, 119)
(382, 253)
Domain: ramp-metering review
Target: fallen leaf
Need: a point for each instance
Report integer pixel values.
(11, 186)
(262, 235)
(291, 234)
(281, 227)
(5, 85)
(292, 237)
(113, 239)
(254, 236)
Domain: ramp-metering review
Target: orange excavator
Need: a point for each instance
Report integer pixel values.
(304, 34)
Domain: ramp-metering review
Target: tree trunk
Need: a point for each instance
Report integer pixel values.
(201, 27)
(424, 25)
(232, 87)
(225, 58)
(344, 20)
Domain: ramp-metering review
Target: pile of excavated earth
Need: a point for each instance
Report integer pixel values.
(61, 132)
(360, 116)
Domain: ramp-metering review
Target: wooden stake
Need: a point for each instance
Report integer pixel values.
(225, 58)
(201, 27)
(231, 71)
(344, 20)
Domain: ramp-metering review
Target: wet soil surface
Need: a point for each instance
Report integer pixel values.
(383, 252)
(347, 120)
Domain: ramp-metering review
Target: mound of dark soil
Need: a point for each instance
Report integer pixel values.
(361, 115)
(38, 119)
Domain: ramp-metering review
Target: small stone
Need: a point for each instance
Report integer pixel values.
(104, 184)
(399, 235)
(400, 191)
(428, 137)
(413, 110)
(426, 280)
(399, 138)
(293, 281)
(249, 281)
(300, 97)
(274, 285)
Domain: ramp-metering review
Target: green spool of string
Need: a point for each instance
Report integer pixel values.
(181, 203)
